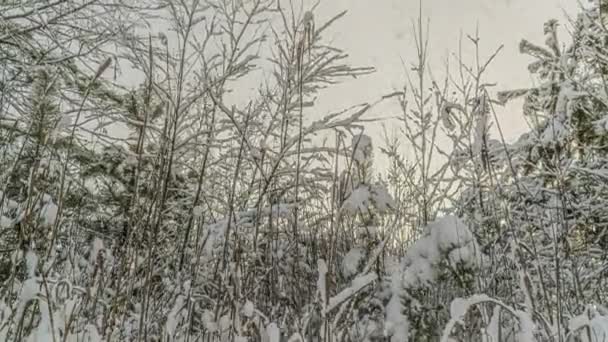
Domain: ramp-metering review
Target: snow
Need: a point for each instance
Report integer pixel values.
(598, 325)
(97, 247)
(46, 331)
(8, 203)
(526, 327)
(197, 211)
(601, 126)
(92, 334)
(5, 222)
(208, 321)
(539, 210)
(296, 337)
(176, 315)
(357, 284)
(493, 328)
(459, 308)
(91, 185)
(29, 291)
(321, 282)
(358, 200)
(264, 146)
(239, 338)
(31, 262)
(362, 147)
(462, 256)
(273, 332)
(365, 196)
(48, 213)
(481, 128)
(382, 200)
(447, 237)
(225, 323)
(352, 260)
(396, 323)
(578, 322)
(449, 232)
(599, 329)
(555, 131)
(248, 309)
(216, 233)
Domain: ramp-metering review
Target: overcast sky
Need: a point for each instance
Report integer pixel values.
(378, 33)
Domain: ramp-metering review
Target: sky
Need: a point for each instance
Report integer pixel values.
(379, 33)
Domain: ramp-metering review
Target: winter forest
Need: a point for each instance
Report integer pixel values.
(166, 174)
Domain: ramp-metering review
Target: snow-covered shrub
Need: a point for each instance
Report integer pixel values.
(446, 253)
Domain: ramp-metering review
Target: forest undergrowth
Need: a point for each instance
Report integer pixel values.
(178, 209)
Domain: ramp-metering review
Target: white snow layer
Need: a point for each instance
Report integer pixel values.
(447, 237)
